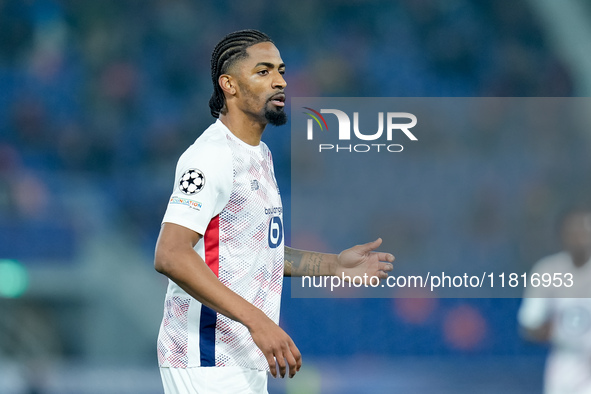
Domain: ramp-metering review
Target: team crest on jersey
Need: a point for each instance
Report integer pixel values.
(192, 181)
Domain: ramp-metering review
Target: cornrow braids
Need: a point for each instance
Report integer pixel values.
(231, 48)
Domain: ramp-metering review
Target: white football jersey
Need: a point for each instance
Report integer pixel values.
(568, 369)
(226, 191)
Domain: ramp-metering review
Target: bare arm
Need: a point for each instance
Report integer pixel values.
(536, 314)
(302, 263)
(358, 260)
(176, 258)
(540, 334)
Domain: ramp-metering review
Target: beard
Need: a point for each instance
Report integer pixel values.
(269, 114)
(276, 117)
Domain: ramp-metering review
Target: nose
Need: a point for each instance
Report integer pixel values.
(279, 81)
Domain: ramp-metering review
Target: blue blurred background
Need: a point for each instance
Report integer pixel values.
(99, 98)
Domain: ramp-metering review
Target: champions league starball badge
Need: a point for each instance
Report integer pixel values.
(192, 182)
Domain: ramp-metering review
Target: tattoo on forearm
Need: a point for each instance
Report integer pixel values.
(314, 263)
(293, 260)
(287, 267)
(299, 263)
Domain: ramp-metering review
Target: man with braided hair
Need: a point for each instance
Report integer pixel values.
(221, 241)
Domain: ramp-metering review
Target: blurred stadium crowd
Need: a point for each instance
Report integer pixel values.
(99, 98)
(110, 92)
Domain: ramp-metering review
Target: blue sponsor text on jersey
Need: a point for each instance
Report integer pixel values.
(273, 211)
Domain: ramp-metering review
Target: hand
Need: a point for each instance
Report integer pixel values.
(361, 259)
(276, 345)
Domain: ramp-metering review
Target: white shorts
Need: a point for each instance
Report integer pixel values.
(214, 380)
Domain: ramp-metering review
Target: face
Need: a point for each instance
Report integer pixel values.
(576, 236)
(260, 84)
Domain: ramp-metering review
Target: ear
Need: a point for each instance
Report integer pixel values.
(228, 84)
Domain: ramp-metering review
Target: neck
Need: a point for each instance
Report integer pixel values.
(244, 128)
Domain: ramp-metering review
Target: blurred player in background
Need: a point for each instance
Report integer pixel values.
(561, 316)
(221, 242)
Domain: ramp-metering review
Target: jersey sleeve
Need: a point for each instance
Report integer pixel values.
(203, 183)
(536, 306)
(534, 312)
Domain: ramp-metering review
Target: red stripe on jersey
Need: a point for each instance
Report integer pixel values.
(211, 241)
(208, 319)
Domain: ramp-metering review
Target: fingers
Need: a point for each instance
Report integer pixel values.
(294, 359)
(368, 247)
(386, 267)
(297, 358)
(385, 256)
(281, 362)
(272, 365)
(292, 355)
(292, 364)
(286, 356)
(277, 347)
